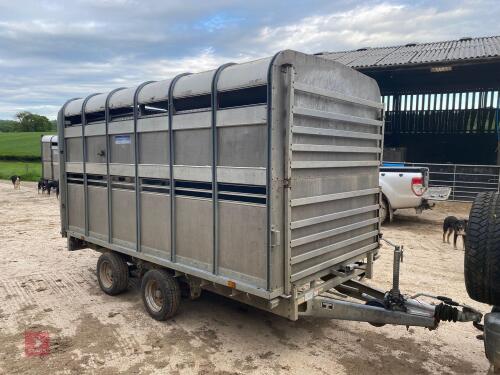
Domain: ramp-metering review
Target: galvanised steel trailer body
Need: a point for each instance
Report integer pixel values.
(258, 181)
(50, 157)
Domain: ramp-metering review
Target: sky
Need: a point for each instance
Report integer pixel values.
(51, 51)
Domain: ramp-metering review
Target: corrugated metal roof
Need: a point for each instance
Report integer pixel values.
(424, 53)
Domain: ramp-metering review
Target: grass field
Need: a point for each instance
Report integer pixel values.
(20, 145)
(29, 171)
(20, 155)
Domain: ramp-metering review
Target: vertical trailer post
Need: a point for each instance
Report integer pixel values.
(62, 168)
(171, 143)
(41, 155)
(108, 160)
(289, 80)
(371, 255)
(136, 168)
(215, 191)
(84, 166)
(51, 159)
(269, 173)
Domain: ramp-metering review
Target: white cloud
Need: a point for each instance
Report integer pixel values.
(37, 26)
(379, 25)
(204, 61)
(65, 80)
(51, 51)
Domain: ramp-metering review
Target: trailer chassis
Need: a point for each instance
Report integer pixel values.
(337, 295)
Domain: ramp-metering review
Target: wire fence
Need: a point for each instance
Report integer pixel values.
(465, 181)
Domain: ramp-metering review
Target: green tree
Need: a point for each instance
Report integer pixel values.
(30, 122)
(7, 126)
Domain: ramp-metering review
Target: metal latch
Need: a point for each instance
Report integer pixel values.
(275, 237)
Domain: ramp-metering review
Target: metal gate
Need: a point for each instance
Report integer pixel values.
(466, 181)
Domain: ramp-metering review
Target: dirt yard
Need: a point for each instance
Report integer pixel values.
(45, 288)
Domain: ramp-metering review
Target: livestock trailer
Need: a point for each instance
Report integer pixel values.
(50, 157)
(257, 181)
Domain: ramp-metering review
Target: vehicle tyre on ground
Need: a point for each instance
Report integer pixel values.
(384, 210)
(161, 294)
(112, 273)
(482, 249)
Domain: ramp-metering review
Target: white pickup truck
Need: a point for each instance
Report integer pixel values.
(406, 187)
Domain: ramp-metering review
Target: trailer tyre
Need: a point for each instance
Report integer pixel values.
(384, 210)
(112, 273)
(161, 294)
(482, 249)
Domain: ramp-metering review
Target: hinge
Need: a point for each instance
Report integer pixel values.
(287, 183)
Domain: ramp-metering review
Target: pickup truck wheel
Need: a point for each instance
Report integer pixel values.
(384, 211)
(161, 294)
(112, 273)
(482, 249)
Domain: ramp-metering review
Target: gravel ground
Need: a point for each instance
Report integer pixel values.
(45, 288)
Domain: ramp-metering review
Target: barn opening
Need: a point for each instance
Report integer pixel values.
(441, 99)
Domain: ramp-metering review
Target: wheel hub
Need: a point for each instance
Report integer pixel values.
(154, 296)
(106, 275)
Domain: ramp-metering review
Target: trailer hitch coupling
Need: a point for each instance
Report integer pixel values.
(448, 310)
(390, 307)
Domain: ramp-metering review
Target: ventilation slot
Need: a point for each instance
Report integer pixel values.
(243, 97)
(193, 103)
(96, 180)
(242, 193)
(151, 109)
(72, 121)
(121, 182)
(193, 189)
(159, 186)
(74, 178)
(95, 117)
(125, 113)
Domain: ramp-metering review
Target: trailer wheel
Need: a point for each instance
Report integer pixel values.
(112, 273)
(161, 294)
(482, 249)
(384, 210)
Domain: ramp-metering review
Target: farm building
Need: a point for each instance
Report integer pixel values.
(441, 99)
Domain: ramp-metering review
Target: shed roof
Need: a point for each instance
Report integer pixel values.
(420, 53)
